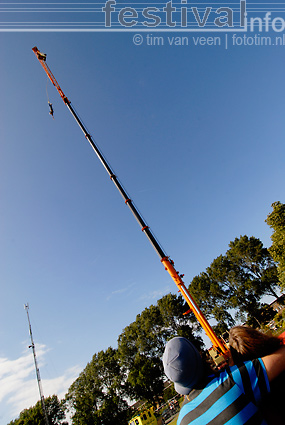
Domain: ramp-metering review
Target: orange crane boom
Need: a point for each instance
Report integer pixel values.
(166, 261)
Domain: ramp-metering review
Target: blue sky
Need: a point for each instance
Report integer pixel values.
(196, 136)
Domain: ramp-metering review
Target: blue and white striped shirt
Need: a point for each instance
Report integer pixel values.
(232, 397)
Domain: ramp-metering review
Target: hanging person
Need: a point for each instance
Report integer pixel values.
(41, 56)
(50, 109)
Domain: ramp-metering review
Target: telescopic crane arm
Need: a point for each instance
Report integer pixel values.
(166, 261)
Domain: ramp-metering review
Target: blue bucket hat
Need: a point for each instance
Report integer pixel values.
(182, 364)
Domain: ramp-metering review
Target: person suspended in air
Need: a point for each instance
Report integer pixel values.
(50, 109)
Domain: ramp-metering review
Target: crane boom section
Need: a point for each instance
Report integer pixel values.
(166, 261)
(42, 59)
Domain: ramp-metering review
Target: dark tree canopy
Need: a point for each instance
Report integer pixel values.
(34, 415)
(99, 393)
(236, 282)
(276, 220)
(256, 262)
(142, 343)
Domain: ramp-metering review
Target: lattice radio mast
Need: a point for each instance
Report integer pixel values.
(37, 368)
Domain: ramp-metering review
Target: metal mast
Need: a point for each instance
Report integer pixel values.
(37, 368)
(166, 261)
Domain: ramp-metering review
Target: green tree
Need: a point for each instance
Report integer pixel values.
(276, 220)
(173, 311)
(264, 315)
(146, 378)
(34, 415)
(142, 343)
(140, 347)
(98, 394)
(235, 282)
(256, 263)
(211, 295)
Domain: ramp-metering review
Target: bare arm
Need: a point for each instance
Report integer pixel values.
(275, 363)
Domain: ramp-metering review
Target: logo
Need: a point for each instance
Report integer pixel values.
(121, 16)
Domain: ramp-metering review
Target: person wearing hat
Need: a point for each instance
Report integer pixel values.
(232, 396)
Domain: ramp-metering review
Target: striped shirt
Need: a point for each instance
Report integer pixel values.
(232, 397)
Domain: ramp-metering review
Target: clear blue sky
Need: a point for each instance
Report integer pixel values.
(196, 136)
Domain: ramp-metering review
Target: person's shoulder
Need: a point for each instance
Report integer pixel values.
(275, 363)
(248, 364)
(251, 378)
(247, 369)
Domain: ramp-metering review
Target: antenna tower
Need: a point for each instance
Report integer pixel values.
(37, 368)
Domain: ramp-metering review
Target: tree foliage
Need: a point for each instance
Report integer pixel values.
(234, 283)
(276, 220)
(142, 343)
(256, 263)
(98, 394)
(34, 415)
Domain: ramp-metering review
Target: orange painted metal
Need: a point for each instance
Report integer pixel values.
(41, 58)
(217, 343)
